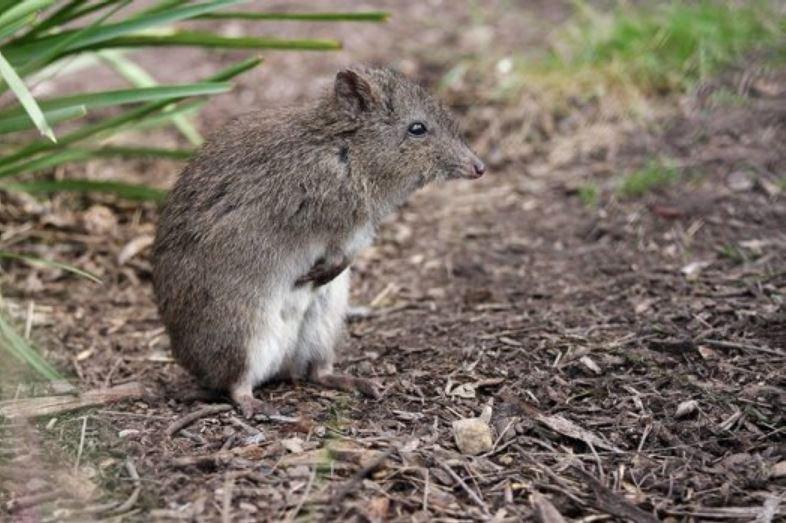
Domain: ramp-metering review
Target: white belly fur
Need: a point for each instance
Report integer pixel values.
(277, 332)
(278, 337)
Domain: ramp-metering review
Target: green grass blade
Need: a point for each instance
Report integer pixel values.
(363, 16)
(55, 50)
(22, 350)
(124, 190)
(22, 10)
(141, 152)
(45, 161)
(12, 28)
(163, 5)
(6, 4)
(165, 116)
(80, 154)
(68, 12)
(50, 263)
(13, 161)
(25, 98)
(23, 122)
(140, 78)
(205, 39)
(128, 96)
(24, 52)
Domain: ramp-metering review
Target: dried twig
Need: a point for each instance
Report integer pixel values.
(132, 499)
(226, 503)
(769, 510)
(721, 344)
(51, 405)
(18, 504)
(612, 503)
(81, 443)
(562, 425)
(253, 452)
(188, 419)
(472, 494)
(292, 515)
(361, 474)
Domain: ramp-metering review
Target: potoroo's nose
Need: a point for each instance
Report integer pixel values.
(479, 166)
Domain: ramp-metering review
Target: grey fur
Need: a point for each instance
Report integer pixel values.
(276, 182)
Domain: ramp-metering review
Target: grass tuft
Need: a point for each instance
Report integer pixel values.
(641, 50)
(651, 176)
(589, 195)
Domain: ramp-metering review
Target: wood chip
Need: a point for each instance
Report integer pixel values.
(611, 503)
(544, 510)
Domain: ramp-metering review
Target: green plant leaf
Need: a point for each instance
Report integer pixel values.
(362, 16)
(25, 98)
(206, 39)
(15, 26)
(165, 116)
(71, 10)
(53, 51)
(22, 122)
(81, 154)
(26, 51)
(44, 162)
(140, 78)
(22, 10)
(22, 157)
(141, 152)
(124, 190)
(21, 349)
(128, 96)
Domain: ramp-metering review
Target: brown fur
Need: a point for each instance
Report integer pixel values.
(275, 181)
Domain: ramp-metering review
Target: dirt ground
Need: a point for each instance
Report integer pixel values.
(630, 350)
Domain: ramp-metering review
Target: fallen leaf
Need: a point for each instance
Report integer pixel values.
(693, 269)
(293, 445)
(465, 390)
(568, 428)
(686, 408)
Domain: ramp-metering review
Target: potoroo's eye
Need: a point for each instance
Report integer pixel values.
(417, 129)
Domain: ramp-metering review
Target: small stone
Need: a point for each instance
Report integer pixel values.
(127, 433)
(473, 436)
(739, 181)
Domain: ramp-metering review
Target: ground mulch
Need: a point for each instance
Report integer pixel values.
(628, 353)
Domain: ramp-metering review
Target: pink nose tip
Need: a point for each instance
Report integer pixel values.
(479, 167)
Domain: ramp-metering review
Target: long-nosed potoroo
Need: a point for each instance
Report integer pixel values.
(252, 249)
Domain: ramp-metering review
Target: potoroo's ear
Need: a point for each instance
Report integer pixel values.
(354, 93)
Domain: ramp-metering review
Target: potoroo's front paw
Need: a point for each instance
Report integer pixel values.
(324, 271)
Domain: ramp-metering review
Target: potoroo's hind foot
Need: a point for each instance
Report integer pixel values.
(243, 396)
